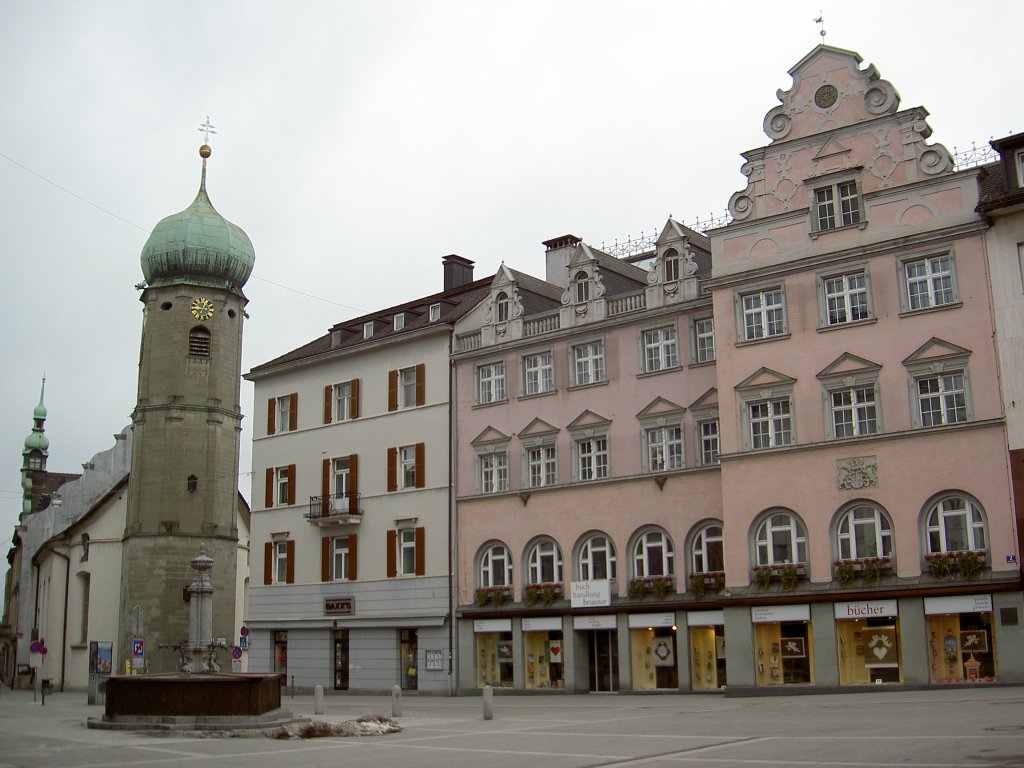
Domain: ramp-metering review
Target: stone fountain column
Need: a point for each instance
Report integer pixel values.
(200, 614)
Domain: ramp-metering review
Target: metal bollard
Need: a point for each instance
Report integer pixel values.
(396, 701)
(488, 702)
(318, 700)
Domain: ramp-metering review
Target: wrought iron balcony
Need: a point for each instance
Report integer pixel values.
(339, 509)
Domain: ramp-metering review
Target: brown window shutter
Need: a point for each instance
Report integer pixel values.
(392, 469)
(325, 487)
(392, 390)
(392, 554)
(271, 410)
(355, 398)
(421, 384)
(289, 576)
(421, 472)
(421, 552)
(328, 397)
(325, 558)
(353, 484)
(352, 541)
(293, 411)
(268, 499)
(292, 482)
(268, 563)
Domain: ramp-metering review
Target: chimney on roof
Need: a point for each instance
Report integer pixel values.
(558, 251)
(457, 272)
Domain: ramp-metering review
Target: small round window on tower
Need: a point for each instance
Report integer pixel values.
(826, 96)
(231, 314)
(166, 305)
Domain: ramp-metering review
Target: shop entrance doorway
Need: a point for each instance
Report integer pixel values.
(604, 661)
(341, 660)
(409, 659)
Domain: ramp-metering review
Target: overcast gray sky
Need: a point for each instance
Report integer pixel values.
(359, 142)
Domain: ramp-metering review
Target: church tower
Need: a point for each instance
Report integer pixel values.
(33, 458)
(183, 486)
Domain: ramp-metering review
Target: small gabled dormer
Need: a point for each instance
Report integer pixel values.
(503, 311)
(583, 300)
(673, 274)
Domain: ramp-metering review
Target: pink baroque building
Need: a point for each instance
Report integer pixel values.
(772, 454)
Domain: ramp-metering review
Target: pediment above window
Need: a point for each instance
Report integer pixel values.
(766, 377)
(848, 364)
(588, 420)
(660, 407)
(708, 400)
(537, 428)
(490, 436)
(937, 350)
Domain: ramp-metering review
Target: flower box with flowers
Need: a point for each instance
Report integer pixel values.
(699, 582)
(492, 595)
(659, 586)
(871, 568)
(967, 563)
(787, 573)
(545, 594)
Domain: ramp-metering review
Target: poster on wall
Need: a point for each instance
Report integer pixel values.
(663, 655)
(793, 648)
(880, 647)
(974, 641)
(555, 651)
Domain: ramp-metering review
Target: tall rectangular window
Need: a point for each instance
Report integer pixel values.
(83, 636)
(846, 298)
(341, 481)
(491, 382)
(763, 314)
(339, 558)
(588, 363)
(929, 282)
(660, 349)
(770, 423)
(407, 552)
(942, 399)
(407, 466)
(708, 441)
(494, 472)
(280, 562)
(592, 458)
(538, 373)
(664, 447)
(282, 477)
(854, 412)
(704, 339)
(542, 466)
(829, 216)
(343, 401)
(407, 387)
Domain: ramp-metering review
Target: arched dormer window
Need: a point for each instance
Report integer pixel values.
(501, 308)
(199, 342)
(582, 287)
(671, 265)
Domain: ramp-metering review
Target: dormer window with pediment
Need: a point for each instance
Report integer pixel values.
(501, 307)
(582, 280)
(671, 269)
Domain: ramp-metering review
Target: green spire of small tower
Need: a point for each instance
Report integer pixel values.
(37, 447)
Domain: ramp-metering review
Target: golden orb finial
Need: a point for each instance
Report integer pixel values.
(205, 151)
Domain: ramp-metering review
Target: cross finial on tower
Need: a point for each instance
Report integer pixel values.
(206, 129)
(820, 20)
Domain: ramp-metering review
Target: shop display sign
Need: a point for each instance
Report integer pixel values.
(763, 614)
(641, 620)
(593, 622)
(339, 606)
(958, 604)
(595, 593)
(865, 609)
(492, 625)
(542, 624)
(705, 618)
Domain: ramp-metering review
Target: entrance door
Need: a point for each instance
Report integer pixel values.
(408, 659)
(604, 661)
(341, 660)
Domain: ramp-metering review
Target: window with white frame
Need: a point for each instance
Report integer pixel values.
(544, 563)
(770, 422)
(340, 483)
(407, 387)
(845, 297)
(864, 531)
(83, 627)
(284, 411)
(653, 555)
(671, 265)
(538, 373)
(501, 308)
(490, 380)
(368, 329)
(836, 205)
(434, 313)
(399, 321)
(597, 558)
(762, 314)
(854, 411)
(541, 465)
(406, 560)
(660, 349)
(280, 553)
(706, 550)
(664, 446)
(493, 471)
(591, 457)
(282, 485)
(343, 401)
(339, 558)
(704, 340)
(1019, 159)
(780, 539)
(495, 566)
(928, 282)
(941, 398)
(407, 466)
(582, 287)
(588, 363)
(707, 431)
(955, 524)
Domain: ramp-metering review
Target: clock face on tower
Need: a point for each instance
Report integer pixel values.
(202, 309)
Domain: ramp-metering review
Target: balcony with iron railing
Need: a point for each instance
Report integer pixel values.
(340, 509)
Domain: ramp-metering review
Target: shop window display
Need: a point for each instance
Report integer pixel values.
(783, 653)
(707, 662)
(961, 648)
(543, 659)
(654, 658)
(869, 651)
(494, 659)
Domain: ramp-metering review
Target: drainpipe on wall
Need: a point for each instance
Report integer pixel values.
(452, 683)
